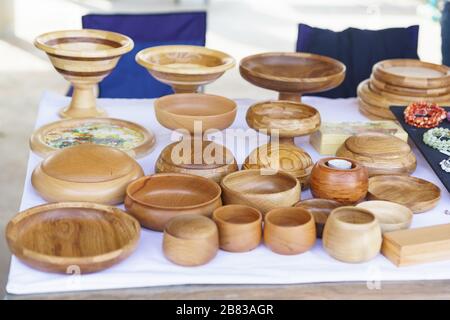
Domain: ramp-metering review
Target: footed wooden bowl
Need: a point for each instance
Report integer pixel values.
(391, 216)
(292, 73)
(184, 68)
(84, 58)
(154, 200)
(72, 237)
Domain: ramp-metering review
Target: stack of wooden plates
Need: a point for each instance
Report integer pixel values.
(400, 82)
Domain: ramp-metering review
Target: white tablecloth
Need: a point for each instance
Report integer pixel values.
(148, 267)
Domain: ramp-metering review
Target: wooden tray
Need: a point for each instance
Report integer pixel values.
(404, 91)
(432, 156)
(372, 111)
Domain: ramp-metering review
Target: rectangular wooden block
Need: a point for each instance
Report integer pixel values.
(416, 246)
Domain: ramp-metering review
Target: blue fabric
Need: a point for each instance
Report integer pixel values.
(128, 79)
(358, 49)
(445, 33)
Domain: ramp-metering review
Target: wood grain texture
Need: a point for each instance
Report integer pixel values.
(368, 113)
(72, 237)
(381, 154)
(352, 235)
(190, 240)
(85, 172)
(292, 73)
(345, 186)
(184, 68)
(289, 231)
(263, 190)
(154, 200)
(240, 227)
(417, 194)
(84, 58)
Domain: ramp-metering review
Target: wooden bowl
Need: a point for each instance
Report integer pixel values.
(84, 58)
(185, 111)
(320, 210)
(85, 172)
(292, 73)
(289, 231)
(123, 135)
(184, 68)
(154, 200)
(72, 236)
(405, 91)
(190, 240)
(240, 227)
(417, 194)
(261, 190)
(345, 186)
(352, 235)
(390, 215)
(381, 154)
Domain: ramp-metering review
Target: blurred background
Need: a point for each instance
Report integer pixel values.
(238, 27)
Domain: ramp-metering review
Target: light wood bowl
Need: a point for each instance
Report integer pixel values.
(320, 209)
(240, 227)
(84, 58)
(190, 240)
(184, 68)
(390, 215)
(85, 172)
(43, 141)
(345, 186)
(154, 200)
(72, 237)
(261, 190)
(417, 194)
(352, 235)
(289, 231)
(381, 154)
(292, 73)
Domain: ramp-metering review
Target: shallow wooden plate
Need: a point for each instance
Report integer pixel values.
(405, 91)
(374, 111)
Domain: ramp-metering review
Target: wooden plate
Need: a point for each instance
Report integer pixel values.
(369, 115)
(412, 73)
(135, 140)
(417, 194)
(404, 91)
(374, 111)
(72, 237)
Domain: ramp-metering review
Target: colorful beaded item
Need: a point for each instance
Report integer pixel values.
(438, 138)
(424, 114)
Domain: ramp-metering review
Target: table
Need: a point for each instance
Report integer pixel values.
(311, 267)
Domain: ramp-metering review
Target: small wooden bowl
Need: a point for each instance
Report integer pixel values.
(289, 231)
(85, 172)
(190, 240)
(184, 68)
(320, 209)
(390, 215)
(72, 236)
(154, 200)
(345, 186)
(417, 194)
(381, 154)
(261, 191)
(184, 111)
(240, 227)
(352, 235)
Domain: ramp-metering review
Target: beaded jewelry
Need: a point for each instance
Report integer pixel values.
(445, 165)
(438, 138)
(424, 115)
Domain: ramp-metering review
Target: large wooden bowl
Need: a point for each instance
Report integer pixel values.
(292, 73)
(84, 58)
(154, 200)
(184, 68)
(72, 237)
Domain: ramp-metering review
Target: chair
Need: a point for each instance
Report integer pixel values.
(358, 49)
(128, 79)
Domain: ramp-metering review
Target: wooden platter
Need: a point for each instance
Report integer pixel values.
(85, 172)
(72, 237)
(417, 194)
(374, 112)
(123, 135)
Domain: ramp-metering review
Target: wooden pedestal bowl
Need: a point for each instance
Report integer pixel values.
(261, 189)
(292, 73)
(84, 58)
(154, 200)
(390, 215)
(346, 186)
(72, 237)
(184, 68)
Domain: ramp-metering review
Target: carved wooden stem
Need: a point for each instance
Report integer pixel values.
(290, 96)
